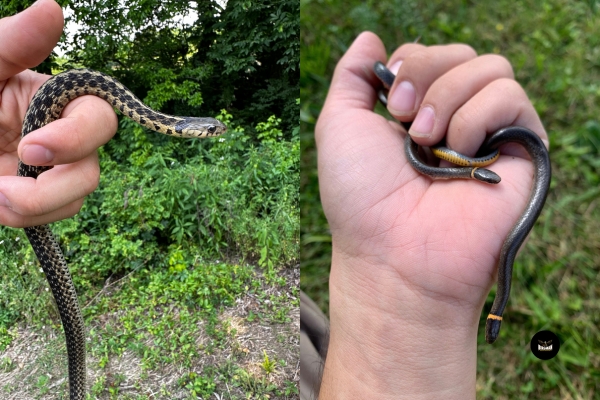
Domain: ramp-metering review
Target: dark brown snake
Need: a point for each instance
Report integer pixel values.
(47, 106)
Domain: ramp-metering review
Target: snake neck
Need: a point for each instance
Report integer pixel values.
(53, 96)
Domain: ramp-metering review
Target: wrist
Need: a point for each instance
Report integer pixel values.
(390, 339)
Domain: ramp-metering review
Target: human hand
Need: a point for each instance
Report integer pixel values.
(69, 143)
(413, 259)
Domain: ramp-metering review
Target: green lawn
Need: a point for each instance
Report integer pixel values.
(554, 49)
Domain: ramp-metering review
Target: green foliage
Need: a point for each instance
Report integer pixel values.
(238, 194)
(199, 386)
(553, 47)
(267, 365)
(199, 198)
(20, 281)
(243, 58)
(42, 384)
(258, 388)
(158, 217)
(7, 364)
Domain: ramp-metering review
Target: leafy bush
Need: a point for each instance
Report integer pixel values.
(222, 197)
(168, 204)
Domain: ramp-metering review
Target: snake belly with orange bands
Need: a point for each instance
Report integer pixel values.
(471, 170)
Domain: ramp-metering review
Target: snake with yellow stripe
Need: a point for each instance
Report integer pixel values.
(47, 106)
(471, 169)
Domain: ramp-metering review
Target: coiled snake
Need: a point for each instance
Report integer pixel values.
(47, 106)
(471, 170)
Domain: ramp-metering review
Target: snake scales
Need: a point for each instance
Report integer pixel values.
(47, 106)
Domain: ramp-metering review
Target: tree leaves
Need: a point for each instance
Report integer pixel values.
(195, 57)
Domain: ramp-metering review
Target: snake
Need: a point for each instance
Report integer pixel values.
(471, 169)
(46, 106)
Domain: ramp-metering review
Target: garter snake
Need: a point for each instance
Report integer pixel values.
(46, 106)
(471, 170)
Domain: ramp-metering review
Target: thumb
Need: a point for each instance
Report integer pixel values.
(27, 38)
(354, 82)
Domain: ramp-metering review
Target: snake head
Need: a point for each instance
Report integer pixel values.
(485, 175)
(192, 127)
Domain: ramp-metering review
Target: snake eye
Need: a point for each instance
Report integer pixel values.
(211, 129)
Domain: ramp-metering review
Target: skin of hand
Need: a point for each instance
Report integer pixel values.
(69, 143)
(413, 259)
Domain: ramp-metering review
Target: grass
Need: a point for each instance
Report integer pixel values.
(158, 334)
(152, 332)
(553, 46)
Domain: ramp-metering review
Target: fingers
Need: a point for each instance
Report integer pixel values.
(353, 79)
(420, 68)
(15, 220)
(449, 91)
(70, 142)
(29, 37)
(501, 103)
(452, 90)
(55, 194)
(85, 124)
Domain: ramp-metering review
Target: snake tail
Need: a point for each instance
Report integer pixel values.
(55, 268)
(536, 149)
(492, 328)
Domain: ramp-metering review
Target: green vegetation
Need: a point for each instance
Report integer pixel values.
(553, 46)
(185, 257)
(267, 365)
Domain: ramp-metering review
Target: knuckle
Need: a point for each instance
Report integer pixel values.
(11, 219)
(467, 50)
(92, 177)
(33, 206)
(500, 63)
(508, 87)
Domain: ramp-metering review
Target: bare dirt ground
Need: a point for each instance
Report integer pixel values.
(34, 365)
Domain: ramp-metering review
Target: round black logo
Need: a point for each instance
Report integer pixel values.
(545, 345)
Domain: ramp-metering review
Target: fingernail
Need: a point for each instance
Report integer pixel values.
(4, 201)
(34, 154)
(402, 101)
(395, 67)
(422, 126)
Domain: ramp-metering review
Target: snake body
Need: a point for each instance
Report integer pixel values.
(411, 150)
(471, 170)
(47, 106)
